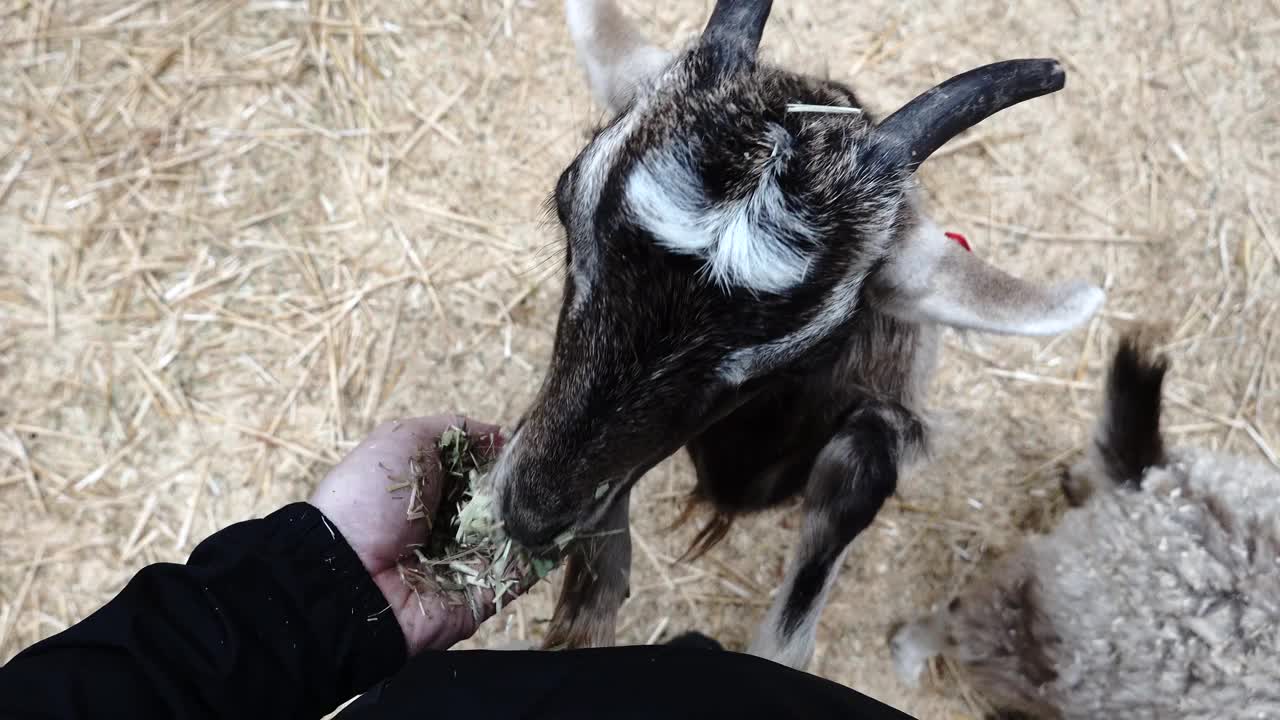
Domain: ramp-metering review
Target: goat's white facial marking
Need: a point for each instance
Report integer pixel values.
(753, 243)
(593, 173)
(836, 308)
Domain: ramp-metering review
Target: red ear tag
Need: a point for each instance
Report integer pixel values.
(960, 239)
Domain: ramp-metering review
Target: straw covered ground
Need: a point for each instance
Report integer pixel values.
(237, 234)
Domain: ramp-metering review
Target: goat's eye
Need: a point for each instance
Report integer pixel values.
(563, 193)
(562, 210)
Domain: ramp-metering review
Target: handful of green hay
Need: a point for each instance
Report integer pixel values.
(467, 551)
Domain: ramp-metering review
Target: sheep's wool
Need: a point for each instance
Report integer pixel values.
(1158, 603)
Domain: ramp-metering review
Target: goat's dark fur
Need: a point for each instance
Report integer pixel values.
(754, 284)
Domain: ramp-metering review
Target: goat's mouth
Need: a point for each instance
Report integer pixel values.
(548, 535)
(600, 519)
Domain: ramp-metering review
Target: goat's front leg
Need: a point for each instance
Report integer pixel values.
(852, 476)
(597, 579)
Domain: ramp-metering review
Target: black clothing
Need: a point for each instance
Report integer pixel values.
(640, 682)
(276, 618)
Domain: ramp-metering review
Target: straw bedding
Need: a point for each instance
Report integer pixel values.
(238, 234)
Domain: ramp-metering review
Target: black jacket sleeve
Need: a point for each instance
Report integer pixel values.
(272, 618)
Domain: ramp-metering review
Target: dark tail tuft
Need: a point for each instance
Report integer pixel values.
(1128, 438)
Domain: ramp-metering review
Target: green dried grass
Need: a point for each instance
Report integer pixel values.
(467, 550)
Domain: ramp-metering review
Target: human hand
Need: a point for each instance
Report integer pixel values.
(357, 495)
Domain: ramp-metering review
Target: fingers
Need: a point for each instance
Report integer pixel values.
(518, 582)
(408, 436)
(432, 426)
(400, 448)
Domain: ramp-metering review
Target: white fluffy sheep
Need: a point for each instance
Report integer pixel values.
(1158, 596)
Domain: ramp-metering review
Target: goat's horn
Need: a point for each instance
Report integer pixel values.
(735, 28)
(923, 125)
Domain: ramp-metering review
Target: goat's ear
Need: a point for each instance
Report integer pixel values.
(618, 60)
(933, 278)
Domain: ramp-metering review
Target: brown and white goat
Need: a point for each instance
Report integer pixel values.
(758, 285)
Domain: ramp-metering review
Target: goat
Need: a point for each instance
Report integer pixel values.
(1157, 596)
(758, 285)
